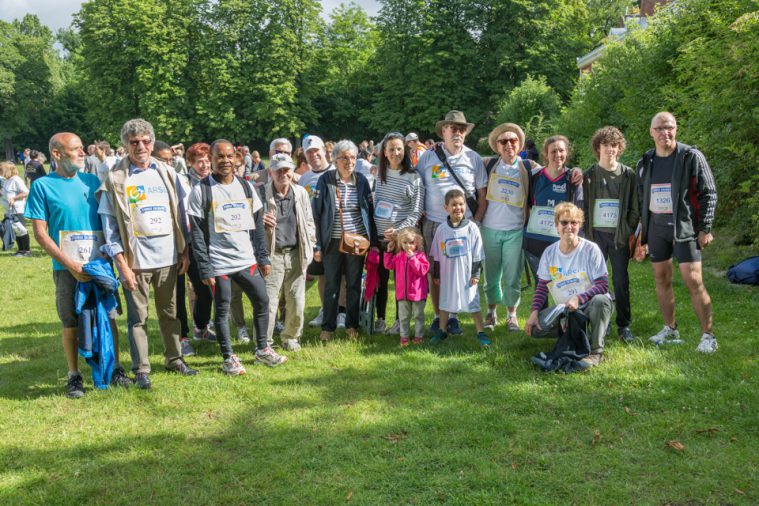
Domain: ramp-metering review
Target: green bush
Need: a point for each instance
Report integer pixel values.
(532, 99)
(698, 59)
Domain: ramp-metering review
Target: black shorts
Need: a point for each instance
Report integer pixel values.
(662, 245)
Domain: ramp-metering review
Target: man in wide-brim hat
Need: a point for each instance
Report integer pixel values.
(470, 171)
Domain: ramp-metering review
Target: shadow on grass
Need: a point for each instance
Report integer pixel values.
(408, 428)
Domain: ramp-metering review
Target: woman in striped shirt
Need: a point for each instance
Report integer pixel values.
(355, 199)
(398, 203)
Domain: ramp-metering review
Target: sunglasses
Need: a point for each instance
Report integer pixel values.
(565, 223)
(136, 142)
(503, 142)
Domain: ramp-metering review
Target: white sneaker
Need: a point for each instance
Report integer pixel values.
(317, 322)
(708, 343)
(395, 329)
(667, 335)
(379, 325)
(341, 320)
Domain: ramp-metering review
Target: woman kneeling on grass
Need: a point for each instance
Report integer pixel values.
(229, 243)
(573, 270)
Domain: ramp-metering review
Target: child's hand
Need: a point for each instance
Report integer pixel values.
(436, 281)
(474, 281)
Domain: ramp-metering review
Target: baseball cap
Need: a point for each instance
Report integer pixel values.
(412, 137)
(311, 142)
(281, 161)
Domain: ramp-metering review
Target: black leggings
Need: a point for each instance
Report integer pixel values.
(253, 286)
(181, 292)
(201, 310)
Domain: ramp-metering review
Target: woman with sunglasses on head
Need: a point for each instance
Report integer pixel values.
(503, 222)
(549, 186)
(398, 203)
(573, 271)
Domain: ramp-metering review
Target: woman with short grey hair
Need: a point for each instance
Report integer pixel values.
(342, 202)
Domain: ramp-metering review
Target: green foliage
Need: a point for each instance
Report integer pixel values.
(532, 104)
(698, 59)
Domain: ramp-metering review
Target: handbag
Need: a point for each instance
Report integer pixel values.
(471, 199)
(350, 243)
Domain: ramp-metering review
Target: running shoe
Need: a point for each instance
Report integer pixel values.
(232, 366)
(667, 335)
(269, 357)
(317, 322)
(708, 343)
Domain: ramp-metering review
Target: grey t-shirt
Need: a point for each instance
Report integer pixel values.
(287, 229)
(230, 220)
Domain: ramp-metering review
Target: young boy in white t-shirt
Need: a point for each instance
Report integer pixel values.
(457, 253)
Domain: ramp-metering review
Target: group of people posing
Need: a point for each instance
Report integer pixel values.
(441, 225)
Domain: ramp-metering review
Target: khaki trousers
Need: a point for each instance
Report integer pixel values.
(288, 275)
(164, 282)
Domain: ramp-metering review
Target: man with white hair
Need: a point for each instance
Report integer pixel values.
(142, 210)
(291, 236)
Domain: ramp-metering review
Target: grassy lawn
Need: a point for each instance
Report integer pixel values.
(370, 423)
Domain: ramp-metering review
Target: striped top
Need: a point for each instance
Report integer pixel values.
(399, 201)
(351, 210)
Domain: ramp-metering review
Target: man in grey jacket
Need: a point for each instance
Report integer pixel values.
(677, 196)
(291, 236)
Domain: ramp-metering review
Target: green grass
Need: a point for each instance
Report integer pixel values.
(370, 423)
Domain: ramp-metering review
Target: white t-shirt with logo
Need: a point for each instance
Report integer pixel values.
(437, 181)
(573, 273)
(229, 222)
(309, 179)
(456, 249)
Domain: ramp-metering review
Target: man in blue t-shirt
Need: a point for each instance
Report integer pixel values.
(66, 224)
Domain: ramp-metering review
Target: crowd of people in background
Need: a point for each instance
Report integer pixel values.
(213, 223)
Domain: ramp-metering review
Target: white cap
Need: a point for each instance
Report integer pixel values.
(311, 142)
(281, 161)
(412, 137)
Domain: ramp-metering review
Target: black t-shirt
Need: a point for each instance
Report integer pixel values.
(35, 170)
(661, 173)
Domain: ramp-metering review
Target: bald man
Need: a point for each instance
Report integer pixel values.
(677, 197)
(66, 224)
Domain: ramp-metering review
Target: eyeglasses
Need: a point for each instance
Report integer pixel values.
(513, 142)
(136, 142)
(667, 128)
(566, 223)
(457, 128)
(347, 159)
(281, 152)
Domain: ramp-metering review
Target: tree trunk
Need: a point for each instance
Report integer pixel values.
(9, 154)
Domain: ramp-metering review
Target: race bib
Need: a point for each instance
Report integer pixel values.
(384, 209)
(454, 247)
(568, 286)
(80, 245)
(541, 222)
(233, 216)
(506, 190)
(150, 219)
(606, 213)
(661, 198)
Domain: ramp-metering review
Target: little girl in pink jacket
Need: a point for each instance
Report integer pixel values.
(411, 266)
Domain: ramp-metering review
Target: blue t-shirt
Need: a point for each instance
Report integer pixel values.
(65, 204)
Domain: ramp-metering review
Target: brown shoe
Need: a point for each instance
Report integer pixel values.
(594, 359)
(326, 335)
(351, 334)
